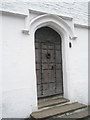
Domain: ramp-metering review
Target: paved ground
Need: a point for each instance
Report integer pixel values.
(45, 119)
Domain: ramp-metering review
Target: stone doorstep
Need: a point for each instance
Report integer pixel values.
(81, 114)
(52, 102)
(57, 110)
(78, 115)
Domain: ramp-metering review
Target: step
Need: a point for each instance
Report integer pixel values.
(57, 110)
(51, 102)
(79, 115)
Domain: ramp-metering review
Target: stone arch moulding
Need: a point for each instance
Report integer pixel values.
(65, 31)
(49, 19)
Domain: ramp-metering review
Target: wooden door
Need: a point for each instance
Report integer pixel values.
(48, 67)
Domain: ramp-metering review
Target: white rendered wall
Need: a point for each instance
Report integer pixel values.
(78, 9)
(18, 83)
(88, 66)
(18, 70)
(0, 65)
(78, 66)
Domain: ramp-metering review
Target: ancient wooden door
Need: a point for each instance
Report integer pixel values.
(48, 67)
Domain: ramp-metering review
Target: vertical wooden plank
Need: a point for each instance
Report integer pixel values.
(39, 90)
(59, 88)
(58, 57)
(45, 76)
(45, 90)
(37, 55)
(38, 76)
(44, 53)
(51, 76)
(51, 88)
(59, 76)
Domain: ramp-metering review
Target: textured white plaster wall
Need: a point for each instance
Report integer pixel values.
(0, 65)
(78, 9)
(89, 56)
(78, 60)
(18, 83)
(18, 64)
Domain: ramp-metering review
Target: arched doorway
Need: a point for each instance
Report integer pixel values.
(67, 33)
(48, 53)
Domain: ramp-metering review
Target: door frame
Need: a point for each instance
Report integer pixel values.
(66, 32)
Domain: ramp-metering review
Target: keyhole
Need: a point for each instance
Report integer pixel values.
(52, 67)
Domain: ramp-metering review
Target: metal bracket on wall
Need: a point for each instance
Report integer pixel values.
(73, 38)
(26, 32)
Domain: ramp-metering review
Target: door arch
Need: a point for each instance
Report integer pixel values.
(66, 32)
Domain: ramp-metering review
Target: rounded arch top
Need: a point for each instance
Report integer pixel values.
(53, 21)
